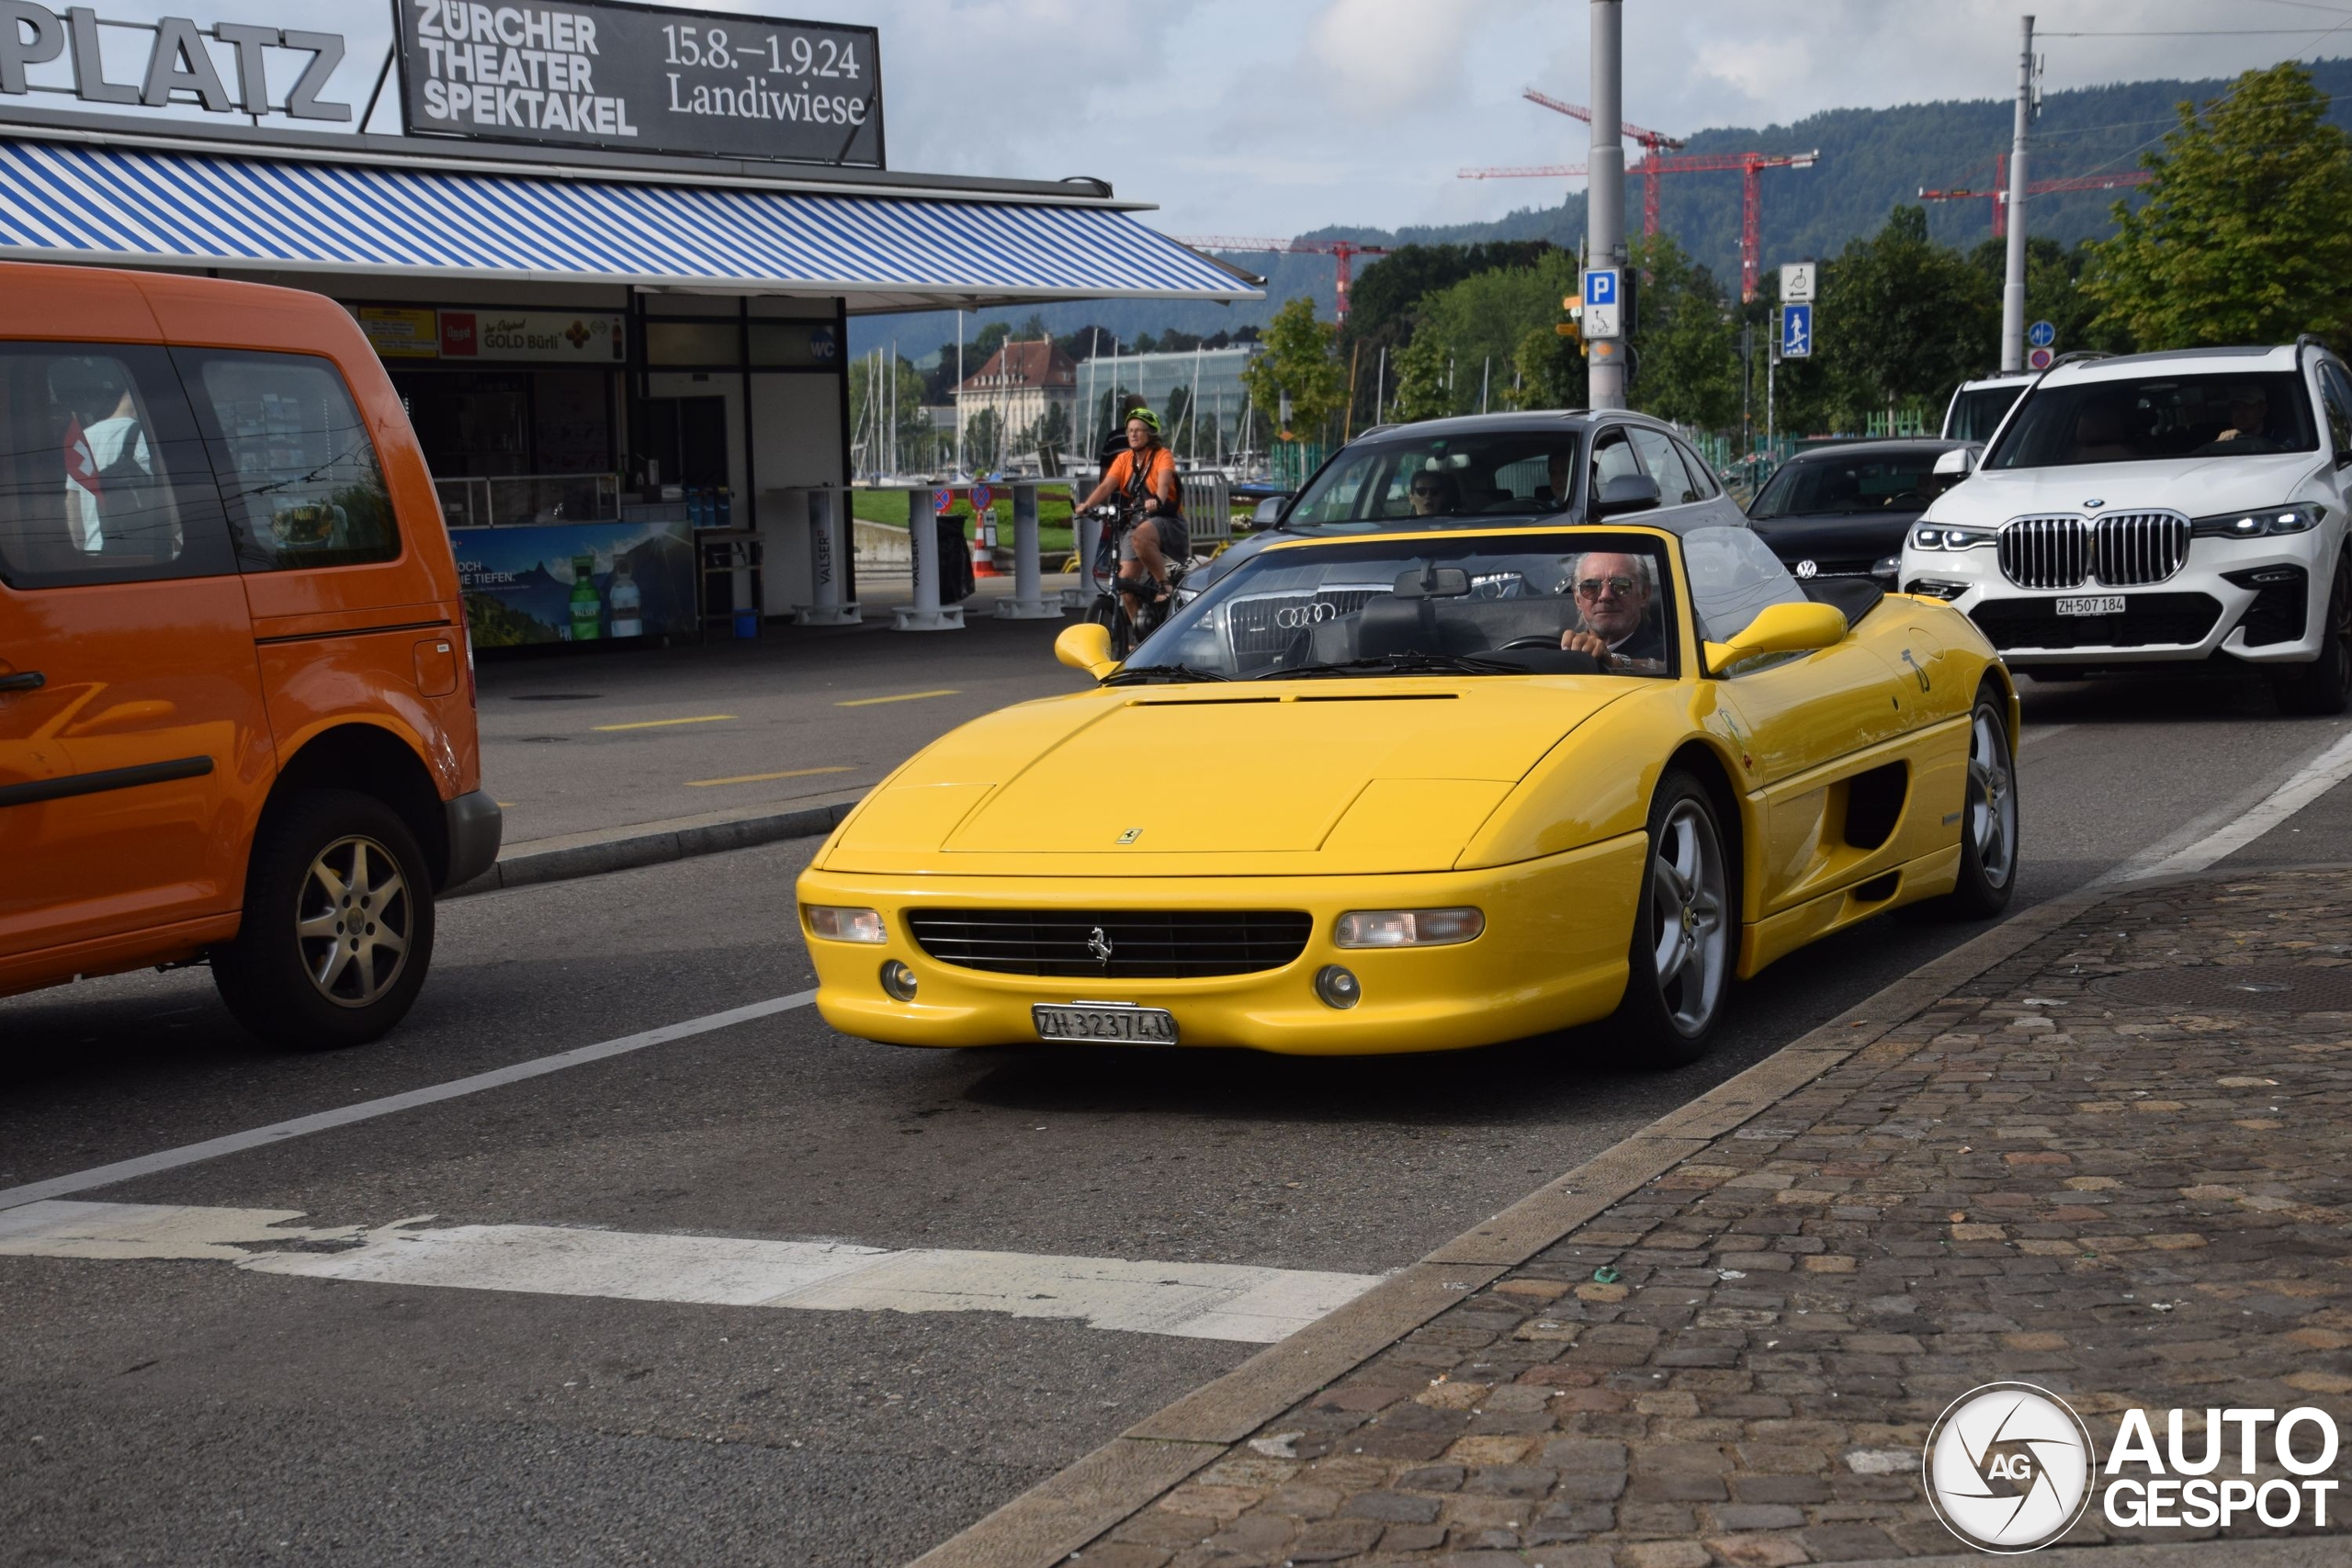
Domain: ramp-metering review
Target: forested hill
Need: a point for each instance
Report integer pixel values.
(1870, 159)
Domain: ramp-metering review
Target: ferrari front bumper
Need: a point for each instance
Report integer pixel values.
(1552, 955)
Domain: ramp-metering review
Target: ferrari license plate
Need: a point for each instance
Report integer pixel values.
(1115, 1024)
(2090, 604)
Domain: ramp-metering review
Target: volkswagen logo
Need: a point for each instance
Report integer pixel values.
(1808, 569)
(1296, 617)
(2010, 1467)
(1100, 946)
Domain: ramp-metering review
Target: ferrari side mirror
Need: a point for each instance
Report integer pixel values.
(1801, 628)
(1086, 646)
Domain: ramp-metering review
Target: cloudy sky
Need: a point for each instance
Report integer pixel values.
(1275, 116)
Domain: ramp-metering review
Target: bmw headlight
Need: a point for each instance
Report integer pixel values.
(1938, 536)
(2259, 522)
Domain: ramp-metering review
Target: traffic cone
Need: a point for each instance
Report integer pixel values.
(983, 561)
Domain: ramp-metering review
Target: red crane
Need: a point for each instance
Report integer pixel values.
(1342, 252)
(2118, 180)
(1653, 143)
(1751, 198)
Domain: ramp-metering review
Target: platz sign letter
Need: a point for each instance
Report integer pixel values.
(223, 69)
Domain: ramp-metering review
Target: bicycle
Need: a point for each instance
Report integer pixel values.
(1109, 608)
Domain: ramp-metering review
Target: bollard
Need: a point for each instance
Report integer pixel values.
(1028, 601)
(829, 547)
(926, 613)
(1086, 533)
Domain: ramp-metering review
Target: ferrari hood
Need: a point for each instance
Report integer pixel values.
(2198, 486)
(1343, 775)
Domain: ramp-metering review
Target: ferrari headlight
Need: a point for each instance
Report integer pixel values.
(1938, 536)
(835, 924)
(1408, 928)
(2259, 522)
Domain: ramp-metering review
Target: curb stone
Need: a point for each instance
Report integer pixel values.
(655, 844)
(1047, 1524)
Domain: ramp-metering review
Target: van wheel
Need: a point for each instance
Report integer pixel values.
(2324, 687)
(1685, 926)
(338, 924)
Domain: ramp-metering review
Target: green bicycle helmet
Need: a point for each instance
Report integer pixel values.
(1146, 415)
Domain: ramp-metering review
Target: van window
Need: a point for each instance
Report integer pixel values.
(295, 463)
(102, 476)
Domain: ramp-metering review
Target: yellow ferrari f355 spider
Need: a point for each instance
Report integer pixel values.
(1424, 787)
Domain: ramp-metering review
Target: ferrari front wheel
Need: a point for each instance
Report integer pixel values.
(1681, 959)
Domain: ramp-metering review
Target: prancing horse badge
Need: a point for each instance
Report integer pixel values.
(1131, 835)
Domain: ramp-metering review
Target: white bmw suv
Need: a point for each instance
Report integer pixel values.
(2184, 507)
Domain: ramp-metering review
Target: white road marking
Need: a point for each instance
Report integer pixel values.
(1190, 1300)
(2230, 828)
(366, 1110)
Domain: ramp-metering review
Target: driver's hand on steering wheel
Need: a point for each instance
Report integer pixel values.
(1586, 642)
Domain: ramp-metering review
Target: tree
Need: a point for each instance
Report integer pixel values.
(2246, 236)
(1299, 364)
(1385, 302)
(991, 339)
(983, 441)
(1417, 375)
(1548, 371)
(1685, 342)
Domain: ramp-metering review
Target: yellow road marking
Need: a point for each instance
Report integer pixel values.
(505, 805)
(660, 723)
(763, 778)
(902, 697)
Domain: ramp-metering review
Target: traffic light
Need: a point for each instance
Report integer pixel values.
(1573, 328)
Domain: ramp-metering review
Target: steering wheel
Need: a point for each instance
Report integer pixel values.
(1536, 639)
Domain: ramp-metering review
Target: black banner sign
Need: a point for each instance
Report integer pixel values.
(642, 79)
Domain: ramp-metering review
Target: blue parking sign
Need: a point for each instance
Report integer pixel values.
(1601, 286)
(2041, 334)
(1796, 331)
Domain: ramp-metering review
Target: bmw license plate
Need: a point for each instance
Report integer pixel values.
(2087, 605)
(1115, 1024)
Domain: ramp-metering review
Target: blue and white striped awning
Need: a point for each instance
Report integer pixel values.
(63, 201)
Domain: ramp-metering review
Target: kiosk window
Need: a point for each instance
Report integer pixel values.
(295, 462)
(102, 478)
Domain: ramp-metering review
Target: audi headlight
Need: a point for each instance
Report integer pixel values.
(2259, 522)
(836, 924)
(1408, 928)
(1936, 536)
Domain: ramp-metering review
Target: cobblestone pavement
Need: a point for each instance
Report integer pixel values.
(2118, 1165)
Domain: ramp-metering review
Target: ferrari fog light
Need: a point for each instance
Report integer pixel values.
(1408, 928)
(845, 925)
(1339, 987)
(899, 980)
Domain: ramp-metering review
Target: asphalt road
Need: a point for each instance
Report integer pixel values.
(185, 1410)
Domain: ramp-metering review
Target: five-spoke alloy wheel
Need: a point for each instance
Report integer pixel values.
(1686, 929)
(1988, 816)
(338, 923)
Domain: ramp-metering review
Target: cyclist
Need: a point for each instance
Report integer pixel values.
(1143, 479)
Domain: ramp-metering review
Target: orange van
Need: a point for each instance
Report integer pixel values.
(236, 697)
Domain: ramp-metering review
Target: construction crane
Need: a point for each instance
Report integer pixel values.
(1342, 252)
(1652, 144)
(2118, 180)
(1751, 198)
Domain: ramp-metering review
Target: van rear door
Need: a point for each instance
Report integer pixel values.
(131, 771)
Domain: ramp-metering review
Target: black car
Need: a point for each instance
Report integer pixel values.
(1842, 510)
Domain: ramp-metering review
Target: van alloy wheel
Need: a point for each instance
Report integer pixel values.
(353, 920)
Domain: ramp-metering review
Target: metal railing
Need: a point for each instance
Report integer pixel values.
(509, 501)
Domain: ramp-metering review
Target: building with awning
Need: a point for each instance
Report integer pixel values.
(613, 291)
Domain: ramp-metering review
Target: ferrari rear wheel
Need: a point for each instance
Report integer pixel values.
(1988, 817)
(1681, 961)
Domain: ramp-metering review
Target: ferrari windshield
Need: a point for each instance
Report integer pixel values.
(1471, 605)
(2243, 415)
(1478, 473)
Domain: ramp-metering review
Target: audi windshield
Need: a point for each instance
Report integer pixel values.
(1434, 477)
(2248, 414)
(1500, 605)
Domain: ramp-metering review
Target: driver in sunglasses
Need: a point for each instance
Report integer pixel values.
(1434, 493)
(1612, 595)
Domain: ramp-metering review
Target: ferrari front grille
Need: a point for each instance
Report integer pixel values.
(1122, 944)
(2131, 549)
(2045, 552)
